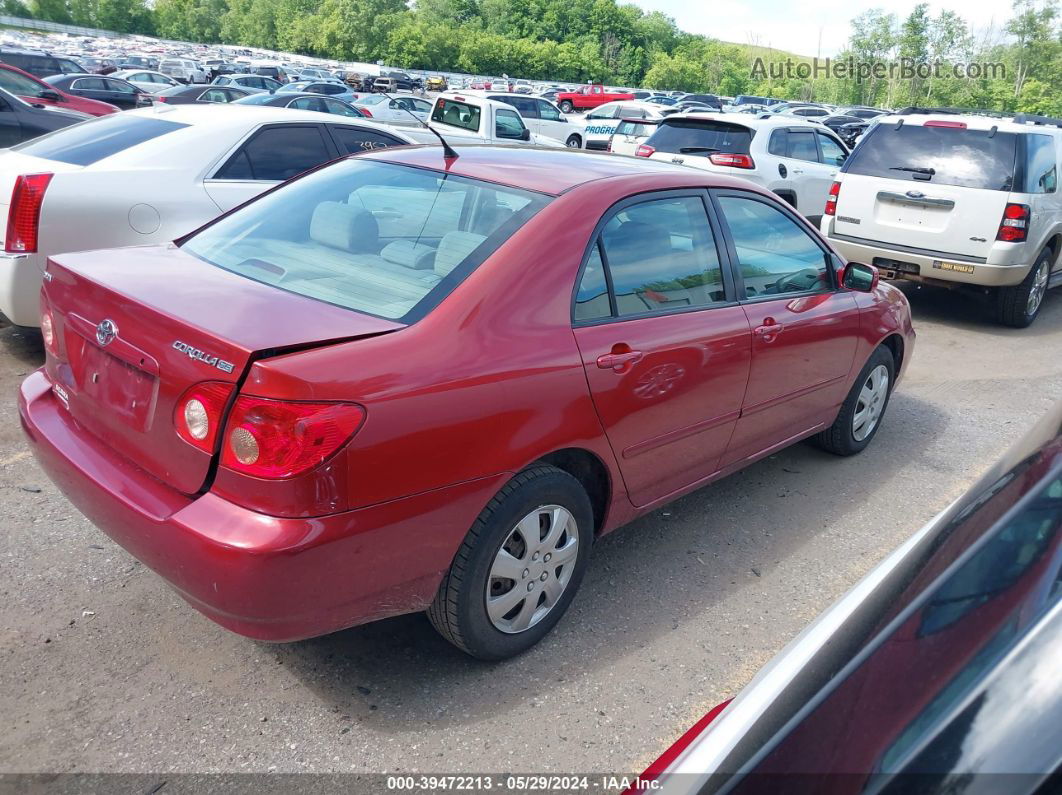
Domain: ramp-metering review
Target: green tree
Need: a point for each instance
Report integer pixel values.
(51, 10)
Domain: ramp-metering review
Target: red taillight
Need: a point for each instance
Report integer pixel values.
(367, 112)
(831, 199)
(162, 99)
(1014, 227)
(644, 150)
(732, 160)
(48, 328)
(958, 125)
(24, 215)
(199, 413)
(277, 439)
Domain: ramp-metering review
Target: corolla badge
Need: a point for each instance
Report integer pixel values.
(203, 356)
(106, 331)
(915, 194)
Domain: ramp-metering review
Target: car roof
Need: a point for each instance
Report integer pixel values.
(973, 121)
(545, 170)
(751, 121)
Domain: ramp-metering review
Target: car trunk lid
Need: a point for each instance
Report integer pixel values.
(173, 323)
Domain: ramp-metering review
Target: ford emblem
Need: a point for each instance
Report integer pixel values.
(915, 194)
(106, 331)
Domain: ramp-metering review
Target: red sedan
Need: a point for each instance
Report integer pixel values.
(33, 90)
(407, 382)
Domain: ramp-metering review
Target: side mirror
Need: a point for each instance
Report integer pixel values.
(51, 96)
(525, 135)
(859, 277)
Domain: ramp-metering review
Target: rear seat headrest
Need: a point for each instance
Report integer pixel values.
(344, 227)
(454, 248)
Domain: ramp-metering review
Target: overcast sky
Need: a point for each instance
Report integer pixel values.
(807, 28)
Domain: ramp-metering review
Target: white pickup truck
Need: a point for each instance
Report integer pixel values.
(467, 119)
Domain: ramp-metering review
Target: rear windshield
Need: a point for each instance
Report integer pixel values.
(937, 155)
(456, 114)
(700, 137)
(636, 128)
(379, 238)
(91, 141)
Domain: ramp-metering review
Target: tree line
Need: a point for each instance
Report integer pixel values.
(602, 40)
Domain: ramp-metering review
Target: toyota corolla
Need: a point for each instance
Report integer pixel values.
(408, 381)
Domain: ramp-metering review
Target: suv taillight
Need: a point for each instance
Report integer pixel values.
(200, 411)
(644, 150)
(24, 215)
(831, 199)
(278, 439)
(1014, 227)
(731, 160)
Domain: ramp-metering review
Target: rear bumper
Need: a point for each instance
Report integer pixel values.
(20, 288)
(911, 266)
(270, 578)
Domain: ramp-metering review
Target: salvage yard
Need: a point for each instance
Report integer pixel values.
(104, 668)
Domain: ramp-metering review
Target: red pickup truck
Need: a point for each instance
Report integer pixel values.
(589, 96)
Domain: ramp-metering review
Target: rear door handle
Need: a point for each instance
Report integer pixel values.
(618, 361)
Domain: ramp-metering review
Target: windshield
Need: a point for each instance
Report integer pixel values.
(379, 238)
(698, 136)
(938, 156)
(91, 141)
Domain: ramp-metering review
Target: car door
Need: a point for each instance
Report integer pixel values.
(665, 345)
(10, 128)
(120, 93)
(509, 128)
(802, 161)
(270, 155)
(832, 156)
(804, 329)
(550, 121)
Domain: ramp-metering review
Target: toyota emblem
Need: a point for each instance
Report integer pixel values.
(106, 331)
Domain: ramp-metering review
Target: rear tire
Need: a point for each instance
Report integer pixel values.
(1019, 305)
(574, 142)
(862, 411)
(542, 513)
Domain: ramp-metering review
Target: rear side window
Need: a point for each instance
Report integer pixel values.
(696, 136)
(374, 237)
(660, 255)
(456, 114)
(88, 143)
(352, 140)
(1041, 164)
(937, 155)
(277, 153)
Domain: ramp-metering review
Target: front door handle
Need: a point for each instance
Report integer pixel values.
(769, 331)
(618, 362)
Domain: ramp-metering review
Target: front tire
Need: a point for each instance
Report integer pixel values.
(862, 411)
(519, 566)
(566, 107)
(1019, 305)
(574, 142)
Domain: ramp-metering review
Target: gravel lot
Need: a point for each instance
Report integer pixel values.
(103, 668)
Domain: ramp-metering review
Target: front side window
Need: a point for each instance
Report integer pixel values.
(374, 237)
(832, 153)
(508, 124)
(456, 114)
(338, 108)
(546, 111)
(1041, 164)
(277, 153)
(660, 255)
(18, 84)
(775, 254)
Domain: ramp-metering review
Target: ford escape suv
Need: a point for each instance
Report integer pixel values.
(951, 199)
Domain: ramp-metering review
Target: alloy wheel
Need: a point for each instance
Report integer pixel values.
(871, 403)
(532, 569)
(1039, 288)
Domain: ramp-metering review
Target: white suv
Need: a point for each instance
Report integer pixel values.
(184, 70)
(949, 199)
(796, 159)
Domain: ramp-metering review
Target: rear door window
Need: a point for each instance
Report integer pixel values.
(277, 153)
(937, 155)
(701, 137)
(802, 145)
(85, 144)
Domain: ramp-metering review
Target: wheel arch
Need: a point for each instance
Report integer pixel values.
(894, 344)
(1054, 245)
(592, 474)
